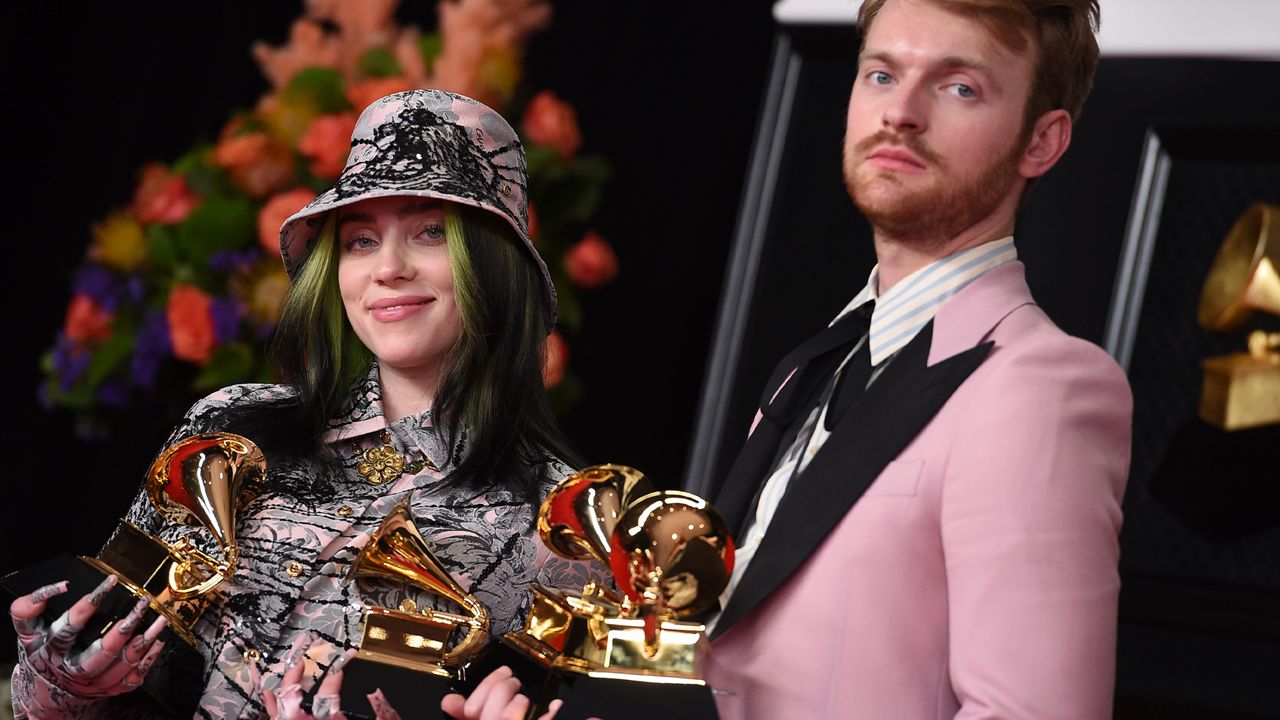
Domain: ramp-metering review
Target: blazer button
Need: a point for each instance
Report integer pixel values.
(344, 511)
(252, 655)
(294, 568)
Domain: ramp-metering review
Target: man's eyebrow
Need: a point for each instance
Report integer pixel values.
(880, 55)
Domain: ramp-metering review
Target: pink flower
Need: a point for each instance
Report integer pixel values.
(557, 359)
(258, 164)
(273, 214)
(190, 316)
(591, 263)
(327, 142)
(162, 197)
(87, 321)
(552, 122)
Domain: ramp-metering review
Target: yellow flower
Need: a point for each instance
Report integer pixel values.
(118, 242)
(263, 289)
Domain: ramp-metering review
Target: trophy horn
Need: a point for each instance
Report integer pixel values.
(577, 518)
(398, 552)
(1245, 275)
(200, 481)
(671, 549)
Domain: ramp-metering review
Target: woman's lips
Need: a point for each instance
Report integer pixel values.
(394, 309)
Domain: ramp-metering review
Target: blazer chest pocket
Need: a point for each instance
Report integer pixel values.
(898, 479)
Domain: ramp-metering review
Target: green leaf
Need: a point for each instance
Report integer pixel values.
(592, 168)
(108, 356)
(219, 223)
(379, 62)
(320, 86)
(568, 309)
(231, 363)
(430, 46)
(162, 244)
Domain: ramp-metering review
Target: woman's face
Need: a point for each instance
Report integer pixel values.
(396, 281)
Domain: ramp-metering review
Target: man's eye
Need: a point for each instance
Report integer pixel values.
(964, 91)
(879, 77)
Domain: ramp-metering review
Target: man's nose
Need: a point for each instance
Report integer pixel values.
(906, 111)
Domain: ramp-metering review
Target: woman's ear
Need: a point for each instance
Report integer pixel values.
(1048, 141)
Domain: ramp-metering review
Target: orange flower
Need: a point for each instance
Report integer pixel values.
(190, 316)
(273, 214)
(327, 142)
(258, 164)
(262, 289)
(533, 225)
(361, 95)
(591, 263)
(557, 359)
(552, 122)
(162, 197)
(87, 321)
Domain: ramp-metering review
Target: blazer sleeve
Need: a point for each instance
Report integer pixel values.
(1030, 521)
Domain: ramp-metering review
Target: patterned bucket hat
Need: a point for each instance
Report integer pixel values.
(426, 143)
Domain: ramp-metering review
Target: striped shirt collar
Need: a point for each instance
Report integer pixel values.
(912, 302)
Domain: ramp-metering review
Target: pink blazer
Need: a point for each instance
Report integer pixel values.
(977, 575)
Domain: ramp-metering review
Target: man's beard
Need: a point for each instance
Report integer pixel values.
(930, 215)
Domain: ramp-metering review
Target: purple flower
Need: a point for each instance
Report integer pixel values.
(114, 393)
(69, 362)
(231, 260)
(134, 290)
(150, 349)
(226, 318)
(98, 283)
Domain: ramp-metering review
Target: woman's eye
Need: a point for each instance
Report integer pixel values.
(361, 242)
(433, 232)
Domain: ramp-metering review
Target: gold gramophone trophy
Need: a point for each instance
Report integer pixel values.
(633, 654)
(1242, 390)
(408, 653)
(199, 481)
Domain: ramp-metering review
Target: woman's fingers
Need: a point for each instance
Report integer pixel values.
(500, 697)
(554, 707)
(64, 630)
(480, 696)
(25, 614)
(516, 708)
(382, 709)
(119, 636)
(326, 705)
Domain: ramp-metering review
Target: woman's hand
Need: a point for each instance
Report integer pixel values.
(286, 704)
(114, 664)
(497, 697)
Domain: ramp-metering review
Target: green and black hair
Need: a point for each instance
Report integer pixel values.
(492, 386)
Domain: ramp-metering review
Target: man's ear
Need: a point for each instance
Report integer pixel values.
(1049, 139)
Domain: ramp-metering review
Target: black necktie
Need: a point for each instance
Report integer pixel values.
(813, 363)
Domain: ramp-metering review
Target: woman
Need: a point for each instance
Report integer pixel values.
(412, 341)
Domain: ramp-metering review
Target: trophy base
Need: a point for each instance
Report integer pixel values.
(413, 693)
(172, 688)
(531, 672)
(618, 698)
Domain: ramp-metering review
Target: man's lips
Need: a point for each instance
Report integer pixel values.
(898, 159)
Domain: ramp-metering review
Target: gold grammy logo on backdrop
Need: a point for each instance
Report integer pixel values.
(1242, 390)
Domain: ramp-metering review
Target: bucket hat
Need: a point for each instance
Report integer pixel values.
(431, 144)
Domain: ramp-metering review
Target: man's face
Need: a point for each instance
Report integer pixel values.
(935, 127)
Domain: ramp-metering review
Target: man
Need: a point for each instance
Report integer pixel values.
(928, 506)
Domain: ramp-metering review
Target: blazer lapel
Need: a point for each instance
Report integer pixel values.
(792, 387)
(882, 422)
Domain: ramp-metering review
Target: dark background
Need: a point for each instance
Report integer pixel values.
(671, 98)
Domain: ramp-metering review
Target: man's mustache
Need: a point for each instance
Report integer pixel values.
(865, 146)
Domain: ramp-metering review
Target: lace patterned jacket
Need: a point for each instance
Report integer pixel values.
(299, 536)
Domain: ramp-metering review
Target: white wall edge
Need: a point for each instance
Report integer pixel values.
(1238, 29)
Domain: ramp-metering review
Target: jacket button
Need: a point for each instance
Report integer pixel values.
(294, 568)
(252, 655)
(344, 511)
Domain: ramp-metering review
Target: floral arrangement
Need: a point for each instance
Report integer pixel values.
(179, 291)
